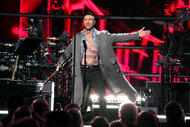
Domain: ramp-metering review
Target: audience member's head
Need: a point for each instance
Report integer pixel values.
(154, 113)
(71, 105)
(58, 119)
(40, 107)
(21, 112)
(174, 114)
(128, 113)
(147, 119)
(24, 122)
(99, 121)
(76, 117)
(117, 123)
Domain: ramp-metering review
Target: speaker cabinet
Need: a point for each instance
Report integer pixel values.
(178, 91)
(30, 89)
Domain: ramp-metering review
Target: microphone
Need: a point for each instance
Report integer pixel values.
(32, 22)
(84, 43)
(34, 29)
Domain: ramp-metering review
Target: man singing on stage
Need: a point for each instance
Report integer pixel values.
(96, 64)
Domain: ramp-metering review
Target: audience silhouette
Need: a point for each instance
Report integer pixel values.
(72, 105)
(58, 119)
(24, 122)
(174, 114)
(128, 113)
(117, 123)
(147, 119)
(76, 117)
(21, 112)
(38, 114)
(99, 121)
(40, 108)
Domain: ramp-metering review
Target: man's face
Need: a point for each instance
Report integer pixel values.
(89, 22)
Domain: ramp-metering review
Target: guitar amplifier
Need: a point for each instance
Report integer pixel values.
(30, 89)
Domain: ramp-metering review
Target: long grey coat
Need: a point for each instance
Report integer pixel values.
(110, 68)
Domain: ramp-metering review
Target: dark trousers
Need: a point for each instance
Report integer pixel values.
(93, 79)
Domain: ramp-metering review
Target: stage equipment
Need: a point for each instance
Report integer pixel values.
(180, 92)
(111, 99)
(183, 49)
(63, 37)
(6, 53)
(7, 59)
(56, 46)
(27, 46)
(63, 78)
(183, 14)
(174, 53)
(63, 88)
(35, 30)
(62, 66)
(164, 23)
(53, 38)
(30, 89)
(15, 67)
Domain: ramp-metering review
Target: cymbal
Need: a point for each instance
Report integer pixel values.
(164, 23)
(51, 43)
(8, 44)
(59, 38)
(53, 38)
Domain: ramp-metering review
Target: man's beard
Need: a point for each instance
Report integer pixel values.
(90, 28)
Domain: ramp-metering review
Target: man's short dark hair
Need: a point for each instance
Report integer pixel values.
(89, 13)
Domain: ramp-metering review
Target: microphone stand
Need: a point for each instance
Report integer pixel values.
(74, 52)
(164, 64)
(84, 75)
(177, 24)
(34, 29)
(84, 78)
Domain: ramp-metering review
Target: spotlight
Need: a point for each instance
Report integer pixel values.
(94, 97)
(112, 101)
(140, 100)
(110, 98)
(123, 98)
